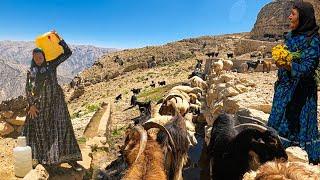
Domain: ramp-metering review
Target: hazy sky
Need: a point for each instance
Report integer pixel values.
(126, 23)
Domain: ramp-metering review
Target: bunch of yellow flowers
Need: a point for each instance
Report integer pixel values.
(283, 56)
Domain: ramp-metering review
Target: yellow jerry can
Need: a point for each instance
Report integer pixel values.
(49, 43)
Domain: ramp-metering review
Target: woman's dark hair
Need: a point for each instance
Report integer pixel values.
(307, 20)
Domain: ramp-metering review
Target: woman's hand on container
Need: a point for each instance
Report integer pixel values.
(55, 33)
(33, 111)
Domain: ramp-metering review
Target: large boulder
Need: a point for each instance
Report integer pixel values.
(256, 114)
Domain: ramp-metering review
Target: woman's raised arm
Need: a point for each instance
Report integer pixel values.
(66, 54)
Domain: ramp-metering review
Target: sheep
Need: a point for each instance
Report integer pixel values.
(162, 83)
(266, 66)
(218, 67)
(227, 65)
(173, 104)
(196, 81)
(284, 170)
(229, 55)
(233, 150)
(136, 90)
(188, 89)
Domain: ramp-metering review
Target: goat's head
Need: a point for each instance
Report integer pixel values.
(263, 144)
(168, 106)
(131, 150)
(136, 141)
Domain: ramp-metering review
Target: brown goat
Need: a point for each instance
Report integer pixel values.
(143, 154)
(266, 66)
(284, 170)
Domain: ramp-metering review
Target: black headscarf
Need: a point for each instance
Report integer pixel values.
(307, 20)
(39, 74)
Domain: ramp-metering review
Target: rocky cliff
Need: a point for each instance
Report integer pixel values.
(272, 20)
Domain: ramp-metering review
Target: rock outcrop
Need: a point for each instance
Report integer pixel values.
(272, 20)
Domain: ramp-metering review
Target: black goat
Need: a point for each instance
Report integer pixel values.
(199, 64)
(198, 73)
(118, 60)
(145, 112)
(162, 83)
(211, 54)
(119, 97)
(153, 84)
(229, 55)
(253, 64)
(136, 90)
(234, 150)
(174, 161)
(133, 100)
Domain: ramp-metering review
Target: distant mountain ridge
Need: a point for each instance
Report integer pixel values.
(15, 57)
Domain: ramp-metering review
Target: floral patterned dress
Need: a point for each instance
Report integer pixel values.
(50, 135)
(294, 109)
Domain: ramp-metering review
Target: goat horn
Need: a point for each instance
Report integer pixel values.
(143, 140)
(149, 125)
(252, 119)
(174, 96)
(251, 125)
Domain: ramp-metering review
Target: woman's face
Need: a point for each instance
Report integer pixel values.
(294, 19)
(38, 58)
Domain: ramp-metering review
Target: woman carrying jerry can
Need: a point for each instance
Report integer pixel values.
(48, 127)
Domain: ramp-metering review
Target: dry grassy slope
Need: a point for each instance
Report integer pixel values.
(165, 54)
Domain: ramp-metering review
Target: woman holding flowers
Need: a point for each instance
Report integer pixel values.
(294, 109)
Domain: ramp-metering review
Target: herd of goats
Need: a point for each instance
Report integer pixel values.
(157, 143)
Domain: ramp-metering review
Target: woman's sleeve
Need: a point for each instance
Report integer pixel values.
(309, 60)
(29, 90)
(66, 54)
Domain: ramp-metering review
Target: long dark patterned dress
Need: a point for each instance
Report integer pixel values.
(50, 135)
